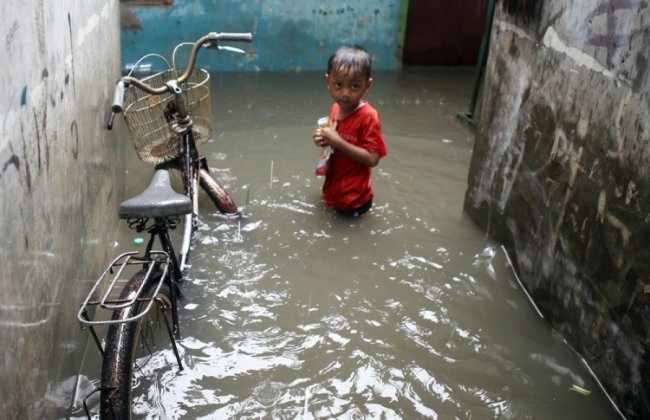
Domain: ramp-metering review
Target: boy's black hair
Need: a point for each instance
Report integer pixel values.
(351, 58)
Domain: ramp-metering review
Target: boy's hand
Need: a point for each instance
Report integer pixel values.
(322, 136)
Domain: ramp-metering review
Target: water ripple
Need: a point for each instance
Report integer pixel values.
(293, 311)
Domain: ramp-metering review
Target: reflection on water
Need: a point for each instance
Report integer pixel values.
(407, 312)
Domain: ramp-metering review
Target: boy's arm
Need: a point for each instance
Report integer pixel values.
(356, 153)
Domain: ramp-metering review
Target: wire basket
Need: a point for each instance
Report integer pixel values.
(153, 137)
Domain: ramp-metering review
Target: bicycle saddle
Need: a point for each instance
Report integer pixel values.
(158, 200)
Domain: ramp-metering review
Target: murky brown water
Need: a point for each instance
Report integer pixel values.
(407, 312)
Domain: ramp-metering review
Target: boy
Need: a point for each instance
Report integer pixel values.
(354, 135)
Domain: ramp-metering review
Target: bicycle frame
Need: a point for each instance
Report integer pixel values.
(190, 171)
(174, 277)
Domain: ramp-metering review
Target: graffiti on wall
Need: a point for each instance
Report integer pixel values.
(615, 38)
(603, 35)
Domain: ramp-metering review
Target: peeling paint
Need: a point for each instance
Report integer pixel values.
(583, 126)
(632, 193)
(602, 205)
(506, 153)
(511, 27)
(620, 114)
(188, 10)
(553, 41)
(622, 228)
(93, 22)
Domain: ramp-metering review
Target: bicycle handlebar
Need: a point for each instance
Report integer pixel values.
(231, 36)
(118, 96)
(211, 40)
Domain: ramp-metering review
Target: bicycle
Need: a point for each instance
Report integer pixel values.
(167, 117)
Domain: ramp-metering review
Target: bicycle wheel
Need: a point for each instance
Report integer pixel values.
(128, 343)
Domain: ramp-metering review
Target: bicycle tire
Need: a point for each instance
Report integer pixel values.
(123, 342)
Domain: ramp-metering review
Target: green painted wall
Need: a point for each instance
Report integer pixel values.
(293, 36)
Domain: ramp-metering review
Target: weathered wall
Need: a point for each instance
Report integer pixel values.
(58, 178)
(560, 173)
(298, 35)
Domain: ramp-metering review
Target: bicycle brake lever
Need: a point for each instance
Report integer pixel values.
(231, 49)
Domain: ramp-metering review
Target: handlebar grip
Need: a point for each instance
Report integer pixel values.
(109, 124)
(231, 36)
(118, 97)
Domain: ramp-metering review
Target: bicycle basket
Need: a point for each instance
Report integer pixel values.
(153, 137)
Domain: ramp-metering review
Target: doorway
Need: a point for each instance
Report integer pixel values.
(441, 32)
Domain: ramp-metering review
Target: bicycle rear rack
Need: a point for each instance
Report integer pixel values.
(112, 285)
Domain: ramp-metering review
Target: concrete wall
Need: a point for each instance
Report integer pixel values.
(297, 35)
(59, 173)
(560, 173)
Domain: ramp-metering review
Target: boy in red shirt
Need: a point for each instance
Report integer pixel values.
(354, 135)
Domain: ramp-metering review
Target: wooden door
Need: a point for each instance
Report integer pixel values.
(444, 32)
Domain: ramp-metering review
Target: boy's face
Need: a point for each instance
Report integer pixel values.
(347, 88)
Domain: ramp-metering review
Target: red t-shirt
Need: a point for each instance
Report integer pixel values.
(347, 183)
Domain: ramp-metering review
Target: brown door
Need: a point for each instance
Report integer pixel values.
(444, 32)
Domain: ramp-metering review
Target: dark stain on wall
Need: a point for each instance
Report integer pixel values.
(11, 35)
(14, 161)
(74, 131)
(67, 77)
(641, 66)
(38, 140)
(528, 10)
(129, 21)
(28, 174)
(551, 22)
(537, 137)
(326, 12)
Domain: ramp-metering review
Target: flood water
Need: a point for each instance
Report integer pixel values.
(407, 312)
